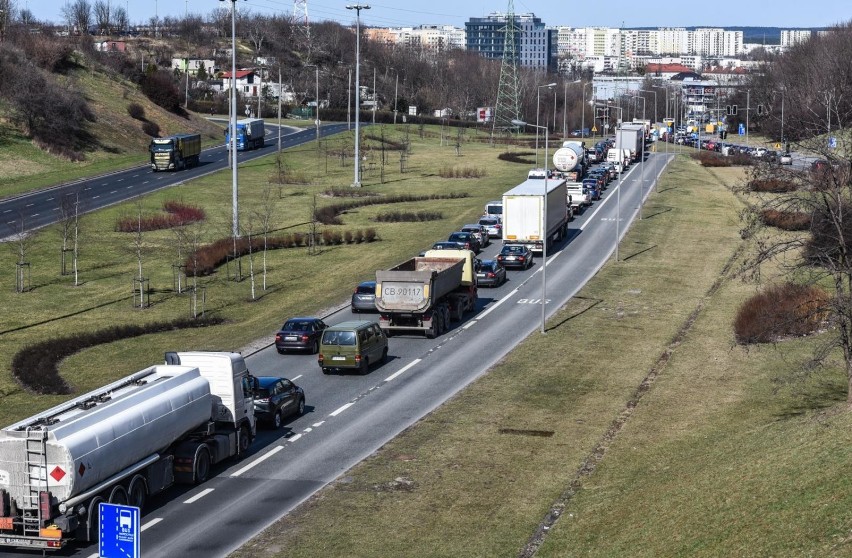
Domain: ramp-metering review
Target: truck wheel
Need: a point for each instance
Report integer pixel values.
(446, 312)
(201, 467)
(93, 527)
(118, 495)
(137, 492)
(245, 439)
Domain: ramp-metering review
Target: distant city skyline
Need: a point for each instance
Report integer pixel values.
(788, 14)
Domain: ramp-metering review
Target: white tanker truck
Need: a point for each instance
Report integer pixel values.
(120, 444)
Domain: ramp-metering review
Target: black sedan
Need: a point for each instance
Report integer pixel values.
(364, 297)
(277, 398)
(301, 334)
(490, 274)
(515, 255)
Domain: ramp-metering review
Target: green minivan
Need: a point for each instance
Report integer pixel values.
(352, 345)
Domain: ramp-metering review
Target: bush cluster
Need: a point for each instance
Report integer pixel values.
(348, 193)
(176, 214)
(771, 185)
(136, 111)
(409, 217)
(463, 172)
(208, 258)
(329, 215)
(160, 87)
(712, 159)
(35, 366)
(786, 220)
(151, 128)
(781, 311)
(517, 157)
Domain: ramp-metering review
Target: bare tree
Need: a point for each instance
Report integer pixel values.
(78, 15)
(103, 16)
(138, 249)
(193, 237)
(7, 13)
(249, 230)
(20, 244)
(120, 19)
(263, 214)
(67, 227)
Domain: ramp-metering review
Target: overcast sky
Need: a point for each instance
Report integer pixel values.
(582, 13)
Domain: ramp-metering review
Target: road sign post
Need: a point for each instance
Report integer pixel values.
(119, 531)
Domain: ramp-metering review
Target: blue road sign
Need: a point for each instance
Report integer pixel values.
(741, 129)
(832, 142)
(119, 531)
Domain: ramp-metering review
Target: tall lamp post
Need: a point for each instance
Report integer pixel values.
(357, 8)
(316, 115)
(395, 94)
(583, 111)
(235, 223)
(544, 221)
(536, 126)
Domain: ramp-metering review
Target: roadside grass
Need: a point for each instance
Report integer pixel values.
(298, 283)
(717, 459)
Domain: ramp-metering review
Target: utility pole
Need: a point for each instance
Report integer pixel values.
(357, 8)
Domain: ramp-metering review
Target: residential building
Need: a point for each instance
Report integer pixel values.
(790, 37)
(194, 64)
(248, 83)
(535, 45)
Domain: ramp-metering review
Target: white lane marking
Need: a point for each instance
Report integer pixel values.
(89, 188)
(96, 197)
(469, 324)
(119, 180)
(496, 304)
(296, 377)
(340, 410)
(294, 438)
(199, 496)
(307, 430)
(49, 199)
(55, 209)
(29, 205)
(403, 369)
(35, 215)
(151, 523)
(114, 191)
(257, 461)
(146, 182)
(8, 211)
(318, 424)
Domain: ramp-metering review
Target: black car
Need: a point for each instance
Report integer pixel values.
(364, 297)
(446, 245)
(490, 273)
(277, 398)
(300, 334)
(515, 255)
(469, 241)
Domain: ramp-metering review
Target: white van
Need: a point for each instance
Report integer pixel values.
(578, 196)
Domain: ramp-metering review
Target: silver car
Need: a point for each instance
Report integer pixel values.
(492, 225)
(479, 232)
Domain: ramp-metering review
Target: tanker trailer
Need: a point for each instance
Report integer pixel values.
(120, 444)
(569, 157)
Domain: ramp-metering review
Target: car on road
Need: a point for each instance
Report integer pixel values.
(364, 297)
(492, 225)
(299, 334)
(785, 159)
(352, 345)
(515, 255)
(490, 273)
(276, 399)
(479, 232)
(469, 241)
(445, 245)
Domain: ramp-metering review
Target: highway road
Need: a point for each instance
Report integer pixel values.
(42, 208)
(351, 416)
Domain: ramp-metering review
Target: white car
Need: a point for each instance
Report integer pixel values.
(492, 226)
(785, 159)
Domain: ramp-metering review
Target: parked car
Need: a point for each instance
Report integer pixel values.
(469, 241)
(515, 255)
(785, 159)
(478, 231)
(300, 334)
(352, 345)
(493, 226)
(277, 398)
(364, 297)
(490, 274)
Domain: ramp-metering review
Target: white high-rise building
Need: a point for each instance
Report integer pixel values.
(790, 37)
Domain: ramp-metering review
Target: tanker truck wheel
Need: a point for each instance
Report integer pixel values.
(92, 524)
(245, 439)
(201, 465)
(137, 492)
(118, 495)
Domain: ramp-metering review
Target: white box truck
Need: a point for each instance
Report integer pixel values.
(524, 217)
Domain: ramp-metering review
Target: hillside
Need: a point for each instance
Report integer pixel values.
(119, 140)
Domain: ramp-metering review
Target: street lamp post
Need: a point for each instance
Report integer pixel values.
(543, 223)
(316, 115)
(235, 221)
(395, 96)
(357, 8)
(583, 110)
(536, 126)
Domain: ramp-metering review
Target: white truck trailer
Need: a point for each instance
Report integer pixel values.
(524, 218)
(631, 137)
(120, 444)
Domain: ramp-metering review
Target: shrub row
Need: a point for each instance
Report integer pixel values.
(35, 367)
(771, 185)
(781, 311)
(177, 214)
(329, 215)
(786, 220)
(409, 217)
(712, 159)
(463, 172)
(517, 157)
(208, 258)
(348, 193)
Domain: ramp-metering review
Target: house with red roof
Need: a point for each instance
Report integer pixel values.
(248, 82)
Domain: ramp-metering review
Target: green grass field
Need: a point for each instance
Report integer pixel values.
(714, 458)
